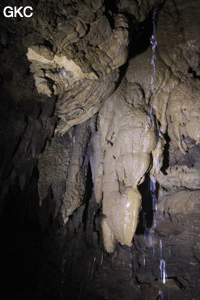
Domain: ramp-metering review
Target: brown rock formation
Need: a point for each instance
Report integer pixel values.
(100, 142)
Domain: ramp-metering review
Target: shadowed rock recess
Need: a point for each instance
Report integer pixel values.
(100, 150)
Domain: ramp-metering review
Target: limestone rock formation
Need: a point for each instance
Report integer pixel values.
(76, 183)
(100, 143)
(127, 139)
(81, 74)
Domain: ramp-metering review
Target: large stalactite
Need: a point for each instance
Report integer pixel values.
(100, 137)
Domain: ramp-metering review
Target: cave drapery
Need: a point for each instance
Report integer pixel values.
(100, 142)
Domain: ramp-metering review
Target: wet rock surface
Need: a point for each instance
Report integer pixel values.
(100, 168)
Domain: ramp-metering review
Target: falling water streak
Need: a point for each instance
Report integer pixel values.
(64, 259)
(160, 295)
(149, 239)
(160, 248)
(74, 139)
(153, 47)
(145, 228)
(149, 236)
(144, 219)
(131, 275)
(153, 42)
(153, 190)
(92, 271)
(102, 257)
(130, 265)
(163, 273)
(149, 232)
(153, 193)
(81, 287)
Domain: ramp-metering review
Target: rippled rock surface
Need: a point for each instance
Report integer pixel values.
(100, 167)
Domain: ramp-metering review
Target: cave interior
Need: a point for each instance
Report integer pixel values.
(100, 143)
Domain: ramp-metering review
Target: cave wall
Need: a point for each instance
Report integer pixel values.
(100, 149)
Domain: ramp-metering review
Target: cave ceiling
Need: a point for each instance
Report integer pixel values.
(113, 85)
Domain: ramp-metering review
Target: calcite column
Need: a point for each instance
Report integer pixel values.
(127, 139)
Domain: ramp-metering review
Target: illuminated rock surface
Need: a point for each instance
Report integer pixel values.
(100, 143)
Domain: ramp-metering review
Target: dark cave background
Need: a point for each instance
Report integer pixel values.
(40, 257)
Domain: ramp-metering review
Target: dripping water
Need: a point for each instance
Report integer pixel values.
(163, 273)
(153, 42)
(153, 183)
(131, 274)
(130, 265)
(102, 257)
(160, 248)
(64, 259)
(93, 268)
(149, 238)
(81, 287)
(149, 230)
(153, 190)
(160, 295)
